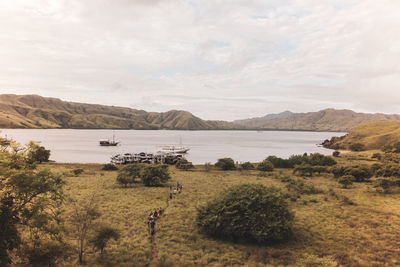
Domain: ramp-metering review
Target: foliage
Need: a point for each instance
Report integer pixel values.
(265, 166)
(184, 164)
(336, 153)
(300, 187)
(30, 199)
(155, 175)
(279, 162)
(387, 170)
(247, 166)
(37, 153)
(315, 159)
(360, 173)
(377, 156)
(357, 147)
(129, 173)
(77, 171)
(102, 236)
(225, 164)
(48, 253)
(250, 212)
(387, 149)
(346, 180)
(109, 167)
(304, 170)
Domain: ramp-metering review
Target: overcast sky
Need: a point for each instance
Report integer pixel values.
(217, 59)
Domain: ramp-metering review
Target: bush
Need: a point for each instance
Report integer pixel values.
(360, 173)
(304, 170)
(248, 212)
(155, 175)
(317, 159)
(102, 236)
(109, 167)
(336, 153)
(247, 166)
(377, 156)
(346, 180)
(265, 166)
(299, 187)
(357, 147)
(185, 165)
(225, 164)
(387, 170)
(77, 172)
(387, 149)
(279, 162)
(129, 173)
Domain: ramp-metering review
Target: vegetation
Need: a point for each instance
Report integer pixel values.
(265, 166)
(225, 164)
(185, 165)
(357, 147)
(155, 175)
(102, 236)
(250, 212)
(129, 173)
(109, 167)
(314, 159)
(247, 166)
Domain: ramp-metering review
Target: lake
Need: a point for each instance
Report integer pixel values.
(82, 146)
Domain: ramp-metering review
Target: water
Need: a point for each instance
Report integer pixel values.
(82, 146)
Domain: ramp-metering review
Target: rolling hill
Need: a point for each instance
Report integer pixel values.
(33, 111)
(373, 135)
(324, 120)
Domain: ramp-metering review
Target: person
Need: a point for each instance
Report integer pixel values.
(161, 211)
(170, 195)
(174, 191)
(155, 214)
(179, 190)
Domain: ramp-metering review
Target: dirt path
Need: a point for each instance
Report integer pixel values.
(154, 250)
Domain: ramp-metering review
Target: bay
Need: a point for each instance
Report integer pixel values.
(82, 146)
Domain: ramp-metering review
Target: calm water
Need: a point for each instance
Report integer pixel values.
(205, 146)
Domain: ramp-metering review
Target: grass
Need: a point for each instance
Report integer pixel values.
(350, 227)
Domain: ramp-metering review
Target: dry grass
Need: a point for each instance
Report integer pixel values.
(327, 227)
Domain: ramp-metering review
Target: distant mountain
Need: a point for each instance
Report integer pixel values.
(33, 111)
(324, 120)
(372, 135)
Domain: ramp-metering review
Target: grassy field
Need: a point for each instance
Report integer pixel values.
(346, 227)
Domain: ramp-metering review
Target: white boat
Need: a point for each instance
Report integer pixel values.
(108, 142)
(174, 149)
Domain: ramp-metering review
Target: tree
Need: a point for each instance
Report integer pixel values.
(30, 199)
(82, 220)
(129, 173)
(265, 166)
(279, 162)
(346, 180)
(225, 164)
(360, 173)
(37, 153)
(102, 236)
(155, 175)
(247, 166)
(109, 167)
(250, 212)
(185, 165)
(304, 170)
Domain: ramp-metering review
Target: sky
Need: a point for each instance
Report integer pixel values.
(218, 59)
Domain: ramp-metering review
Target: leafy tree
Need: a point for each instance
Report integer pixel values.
(279, 162)
(102, 236)
(185, 165)
(37, 153)
(317, 159)
(247, 166)
(129, 173)
(30, 200)
(265, 166)
(346, 180)
(304, 170)
(250, 212)
(155, 175)
(357, 147)
(225, 164)
(360, 173)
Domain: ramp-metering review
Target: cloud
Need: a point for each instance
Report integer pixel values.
(218, 59)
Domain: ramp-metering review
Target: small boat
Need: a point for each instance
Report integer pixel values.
(108, 142)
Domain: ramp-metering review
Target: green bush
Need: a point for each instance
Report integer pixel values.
(185, 165)
(225, 164)
(279, 162)
(248, 212)
(247, 166)
(304, 170)
(109, 167)
(102, 236)
(360, 173)
(265, 166)
(299, 187)
(155, 175)
(377, 156)
(129, 173)
(336, 153)
(77, 172)
(317, 159)
(357, 147)
(346, 180)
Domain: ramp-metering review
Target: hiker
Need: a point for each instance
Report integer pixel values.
(174, 191)
(170, 195)
(161, 211)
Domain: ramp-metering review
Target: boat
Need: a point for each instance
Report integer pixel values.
(108, 142)
(174, 149)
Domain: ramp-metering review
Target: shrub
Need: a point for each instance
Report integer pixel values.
(129, 173)
(279, 162)
(249, 212)
(387, 170)
(185, 165)
(299, 187)
(387, 149)
(109, 167)
(76, 172)
(317, 159)
(155, 175)
(304, 170)
(346, 180)
(336, 153)
(247, 166)
(225, 164)
(102, 236)
(265, 166)
(357, 147)
(360, 173)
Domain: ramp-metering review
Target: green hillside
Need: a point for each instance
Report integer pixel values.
(33, 111)
(372, 135)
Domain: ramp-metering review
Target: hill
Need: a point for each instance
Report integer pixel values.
(33, 111)
(324, 120)
(373, 135)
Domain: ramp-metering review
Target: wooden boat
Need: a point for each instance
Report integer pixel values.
(108, 142)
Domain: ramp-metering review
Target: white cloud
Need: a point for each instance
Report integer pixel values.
(217, 59)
